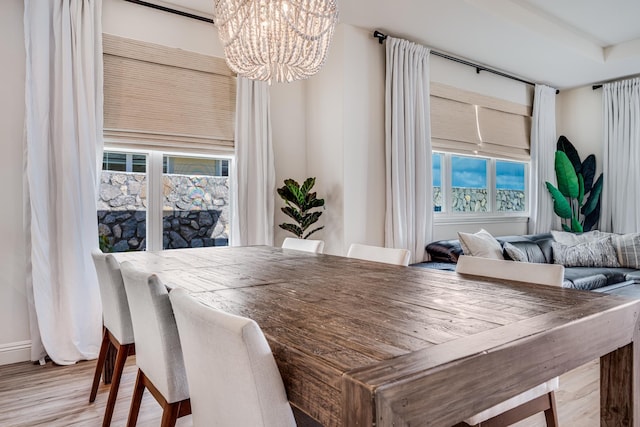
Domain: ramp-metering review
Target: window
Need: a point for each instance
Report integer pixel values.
(478, 185)
(510, 186)
(169, 118)
(190, 198)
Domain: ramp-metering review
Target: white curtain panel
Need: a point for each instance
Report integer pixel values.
(620, 209)
(543, 148)
(254, 171)
(63, 148)
(409, 204)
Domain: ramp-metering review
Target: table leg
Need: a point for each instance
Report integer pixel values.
(620, 386)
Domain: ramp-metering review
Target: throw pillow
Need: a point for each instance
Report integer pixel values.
(628, 249)
(481, 244)
(598, 253)
(515, 253)
(567, 238)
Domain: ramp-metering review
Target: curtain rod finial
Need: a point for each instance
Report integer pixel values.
(381, 37)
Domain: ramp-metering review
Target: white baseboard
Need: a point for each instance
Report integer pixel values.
(15, 352)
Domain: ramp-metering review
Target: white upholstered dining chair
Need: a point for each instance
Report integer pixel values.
(542, 397)
(233, 377)
(315, 246)
(158, 352)
(117, 331)
(379, 254)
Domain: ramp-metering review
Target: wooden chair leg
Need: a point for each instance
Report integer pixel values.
(100, 364)
(170, 414)
(121, 358)
(136, 400)
(551, 414)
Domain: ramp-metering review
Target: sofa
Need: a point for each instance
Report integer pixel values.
(540, 248)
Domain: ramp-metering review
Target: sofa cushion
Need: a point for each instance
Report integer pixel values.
(568, 238)
(588, 278)
(513, 253)
(597, 253)
(628, 249)
(481, 244)
(444, 250)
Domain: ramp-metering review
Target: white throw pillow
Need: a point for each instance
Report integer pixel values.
(567, 238)
(628, 249)
(481, 244)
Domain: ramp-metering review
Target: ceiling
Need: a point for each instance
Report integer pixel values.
(562, 43)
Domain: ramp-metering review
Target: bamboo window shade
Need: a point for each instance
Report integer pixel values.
(168, 99)
(466, 122)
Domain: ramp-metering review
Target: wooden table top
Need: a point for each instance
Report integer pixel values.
(359, 343)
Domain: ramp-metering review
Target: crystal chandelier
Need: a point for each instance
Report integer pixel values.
(281, 40)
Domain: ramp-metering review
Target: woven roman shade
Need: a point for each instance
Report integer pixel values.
(162, 98)
(465, 122)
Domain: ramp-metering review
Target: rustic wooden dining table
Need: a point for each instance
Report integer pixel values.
(360, 343)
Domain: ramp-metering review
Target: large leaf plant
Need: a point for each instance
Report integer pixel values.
(577, 198)
(300, 204)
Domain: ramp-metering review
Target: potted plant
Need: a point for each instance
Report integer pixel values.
(577, 198)
(300, 204)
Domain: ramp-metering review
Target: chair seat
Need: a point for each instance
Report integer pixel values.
(514, 402)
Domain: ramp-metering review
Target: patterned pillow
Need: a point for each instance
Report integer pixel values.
(628, 249)
(567, 238)
(481, 244)
(515, 253)
(597, 253)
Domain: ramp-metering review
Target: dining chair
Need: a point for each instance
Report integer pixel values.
(542, 397)
(158, 352)
(379, 254)
(117, 329)
(315, 246)
(233, 377)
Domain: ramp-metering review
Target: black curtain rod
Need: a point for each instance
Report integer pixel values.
(168, 9)
(382, 37)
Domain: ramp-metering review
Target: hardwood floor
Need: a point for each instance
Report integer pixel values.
(33, 395)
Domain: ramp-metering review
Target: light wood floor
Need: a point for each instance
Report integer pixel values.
(33, 395)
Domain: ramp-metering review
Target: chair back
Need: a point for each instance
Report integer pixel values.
(315, 246)
(233, 377)
(541, 274)
(158, 351)
(115, 307)
(379, 254)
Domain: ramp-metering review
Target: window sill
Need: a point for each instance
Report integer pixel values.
(448, 219)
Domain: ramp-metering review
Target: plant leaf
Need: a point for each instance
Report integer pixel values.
(592, 219)
(594, 197)
(311, 232)
(588, 171)
(309, 219)
(566, 175)
(576, 227)
(567, 147)
(580, 189)
(566, 228)
(292, 228)
(560, 204)
(292, 213)
(308, 185)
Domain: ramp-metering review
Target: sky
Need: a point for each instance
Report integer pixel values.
(471, 172)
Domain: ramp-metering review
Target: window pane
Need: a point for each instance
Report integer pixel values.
(196, 202)
(510, 186)
(469, 184)
(114, 161)
(437, 181)
(122, 204)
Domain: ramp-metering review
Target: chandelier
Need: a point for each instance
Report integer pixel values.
(281, 40)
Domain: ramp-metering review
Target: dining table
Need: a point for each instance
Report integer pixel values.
(360, 343)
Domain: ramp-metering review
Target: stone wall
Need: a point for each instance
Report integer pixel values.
(475, 200)
(195, 211)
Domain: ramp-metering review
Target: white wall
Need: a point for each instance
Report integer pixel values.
(579, 118)
(14, 333)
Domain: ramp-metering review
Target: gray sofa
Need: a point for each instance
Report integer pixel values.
(444, 255)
